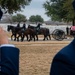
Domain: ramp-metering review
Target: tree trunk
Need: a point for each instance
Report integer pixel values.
(73, 22)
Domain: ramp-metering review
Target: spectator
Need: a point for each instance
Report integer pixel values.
(64, 61)
(9, 56)
(67, 30)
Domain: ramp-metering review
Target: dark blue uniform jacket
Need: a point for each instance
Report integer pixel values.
(64, 61)
(9, 61)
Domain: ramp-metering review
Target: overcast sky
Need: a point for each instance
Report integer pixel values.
(35, 8)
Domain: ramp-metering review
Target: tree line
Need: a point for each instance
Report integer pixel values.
(60, 10)
(57, 10)
(22, 18)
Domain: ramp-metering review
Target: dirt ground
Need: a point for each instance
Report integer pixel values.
(36, 57)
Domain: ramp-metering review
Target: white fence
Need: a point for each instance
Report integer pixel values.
(50, 27)
(53, 27)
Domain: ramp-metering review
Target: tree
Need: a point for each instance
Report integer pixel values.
(54, 9)
(70, 16)
(36, 18)
(60, 10)
(32, 18)
(13, 5)
(19, 18)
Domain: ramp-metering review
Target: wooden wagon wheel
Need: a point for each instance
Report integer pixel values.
(58, 34)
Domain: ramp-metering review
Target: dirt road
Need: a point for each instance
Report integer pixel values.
(36, 57)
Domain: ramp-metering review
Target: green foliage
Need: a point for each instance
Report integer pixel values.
(60, 10)
(13, 5)
(32, 18)
(19, 18)
(67, 6)
(36, 18)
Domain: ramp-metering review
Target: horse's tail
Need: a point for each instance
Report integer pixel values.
(48, 33)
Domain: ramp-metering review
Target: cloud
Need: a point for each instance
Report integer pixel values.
(39, 0)
(34, 11)
(35, 8)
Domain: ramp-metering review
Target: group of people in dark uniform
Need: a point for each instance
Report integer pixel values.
(18, 25)
(24, 25)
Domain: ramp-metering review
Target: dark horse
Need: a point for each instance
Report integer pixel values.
(45, 32)
(29, 32)
(41, 31)
(35, 29)
(15, 31)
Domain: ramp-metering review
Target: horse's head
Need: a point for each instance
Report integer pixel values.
(9, 28)
(38, 26)
(29, 26)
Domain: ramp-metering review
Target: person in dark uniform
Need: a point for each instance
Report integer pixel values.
(24, 26)
(9, 56)
(38, 26)
(67, 30)
(63, 62)
(18, 25)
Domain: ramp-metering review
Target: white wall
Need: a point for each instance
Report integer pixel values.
(50, 27)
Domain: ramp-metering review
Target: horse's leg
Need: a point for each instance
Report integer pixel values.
(11, 37)
(47, 33)
(49, 36)
(44, 38)
(22, 37)
(34, 37)
(30, 38)
(18, 37)
(37, 37)
(27, 37)
(14, 37)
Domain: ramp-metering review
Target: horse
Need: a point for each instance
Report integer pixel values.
(45, 32)
(32, 27)
(41, 31)
(35, 29)
(15, 31)
(31, 33)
